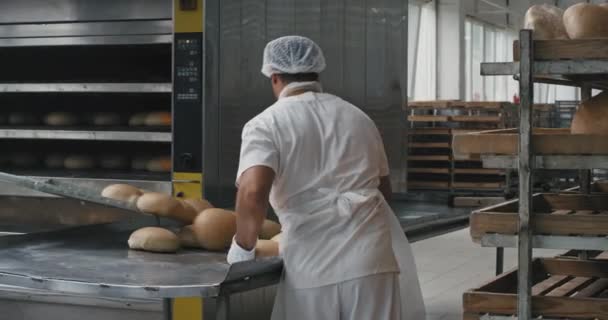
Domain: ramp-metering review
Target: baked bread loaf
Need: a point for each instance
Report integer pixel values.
(79, 162)
(154, 239)
(277, 238)
(158, 119)
(270, 229)
(199, 205)
(60, 119)
(165, 205)
(546, 21)
(266, 248)
(215, 228)
(122, 192)
(586, 21)
(187, 238)
(592, 116)
(162, 164)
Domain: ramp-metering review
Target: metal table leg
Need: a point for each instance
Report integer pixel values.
(167, 309)
(222, 308)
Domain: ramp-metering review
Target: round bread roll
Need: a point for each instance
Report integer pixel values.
(270, 229)
(159, 165)
(546, 21)
(266, 248)
(187, 238)
(54, 161)
(199, 205)
(114, 162)
(22, 119)
(138, 119)
(165, 205)
(277, 238)
(60, 119)
(139, 163)
(586, 21)
(592, 116)
(24, 160)
(214, 228)
(106, 119)
(154, 239)
(155, 119)
(79, 162)
(122, 192)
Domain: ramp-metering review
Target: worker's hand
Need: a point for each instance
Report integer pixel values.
(238, 254)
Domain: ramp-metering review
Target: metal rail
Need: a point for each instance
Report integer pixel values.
(134, 136)
(87, 87)
(554, 162)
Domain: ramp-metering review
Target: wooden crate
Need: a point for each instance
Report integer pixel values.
(566, 49)
(562, 288)
(554, 214)
(546, 142)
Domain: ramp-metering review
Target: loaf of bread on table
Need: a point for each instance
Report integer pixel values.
(215, 228)
(591, 116)
(277, 238)
(266, 248)
(122, 192)
(546, 21)
(154, 239)
(587, 21)
(165, 205)
(269, 229)
(187, 238)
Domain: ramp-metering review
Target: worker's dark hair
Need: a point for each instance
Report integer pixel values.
(298, 77)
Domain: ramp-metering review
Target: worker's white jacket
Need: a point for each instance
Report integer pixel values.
(328, 157)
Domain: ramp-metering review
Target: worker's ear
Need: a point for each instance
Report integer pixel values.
(275, 79)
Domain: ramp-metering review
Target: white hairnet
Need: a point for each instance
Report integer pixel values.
(292, 54)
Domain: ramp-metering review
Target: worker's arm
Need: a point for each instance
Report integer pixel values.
(385, 187)
(252, 204)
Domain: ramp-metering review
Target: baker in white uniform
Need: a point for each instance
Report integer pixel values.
(321, 163)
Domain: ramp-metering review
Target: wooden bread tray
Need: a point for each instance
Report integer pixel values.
(545, 141)
(554, 214)
(566, 49)
(562, 288)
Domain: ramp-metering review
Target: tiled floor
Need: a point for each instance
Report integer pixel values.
(450, 264)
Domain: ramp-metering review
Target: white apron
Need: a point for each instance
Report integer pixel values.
(412, 304)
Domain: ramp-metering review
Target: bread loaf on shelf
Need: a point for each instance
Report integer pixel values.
(592, 116)
(154, 239)
(61, 119)
(277, 238)
(158, 119)
(215, 228)
(79, 162)
(161, 164)
(587, 21)
(546, 21)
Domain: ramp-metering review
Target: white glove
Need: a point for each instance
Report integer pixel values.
(238, 254)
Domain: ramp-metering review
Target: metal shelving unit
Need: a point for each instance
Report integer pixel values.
(131, 136)
(87, 87)
(580, 73)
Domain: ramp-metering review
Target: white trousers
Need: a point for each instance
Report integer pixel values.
(374, 297)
